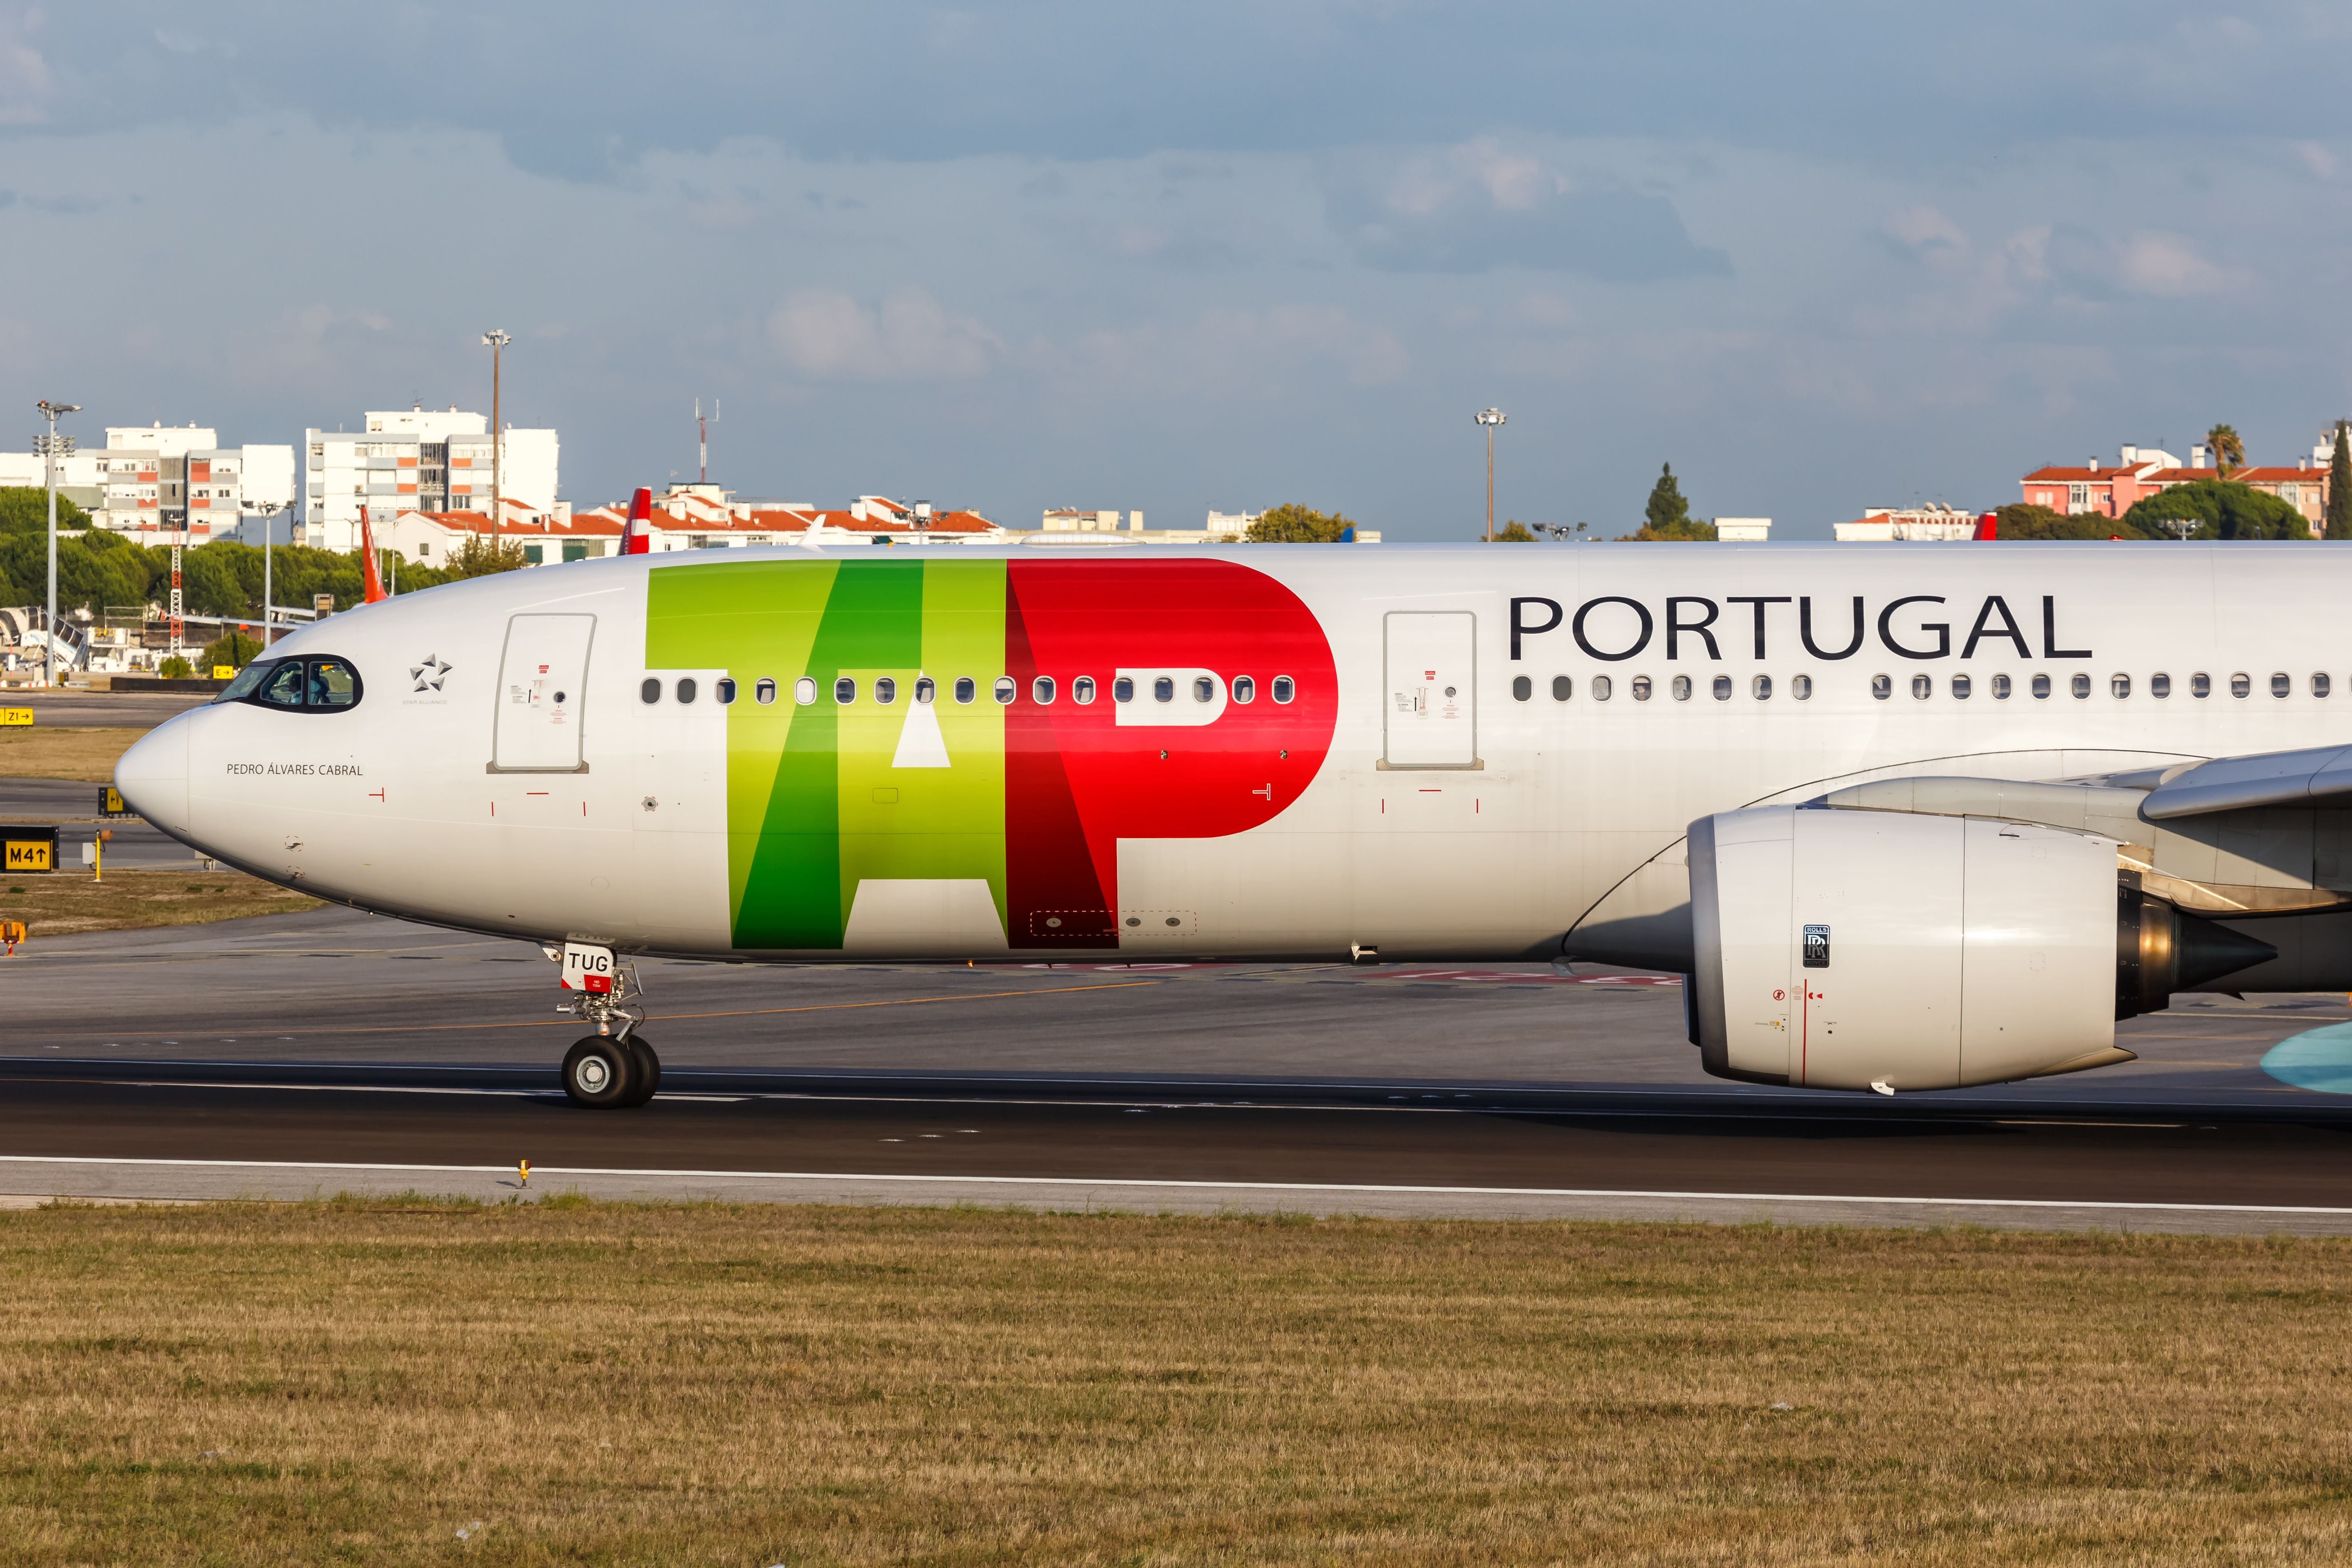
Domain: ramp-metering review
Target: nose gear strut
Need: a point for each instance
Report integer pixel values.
(615, 1067)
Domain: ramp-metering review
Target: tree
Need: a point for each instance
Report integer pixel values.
(2229, 451)
(25, 509)
(234, 649)
(2221, 508)
(175, 669)
(2339, 486)
(482, 556)
(1514, 532)
(1291, 523)
(2026, 520)
(1667, 507)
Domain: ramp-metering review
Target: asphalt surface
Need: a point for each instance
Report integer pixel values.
(74, 808)
(332, 1051)
(67, 708)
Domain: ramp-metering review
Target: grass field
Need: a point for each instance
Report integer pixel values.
(37, 751)
(68, 902)
(574, 1384)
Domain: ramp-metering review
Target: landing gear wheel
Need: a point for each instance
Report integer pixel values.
(600, 1073)
(646, 1072)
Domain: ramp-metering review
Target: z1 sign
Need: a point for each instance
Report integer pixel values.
(587, 968)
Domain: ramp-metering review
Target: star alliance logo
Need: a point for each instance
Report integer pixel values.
(428, 674)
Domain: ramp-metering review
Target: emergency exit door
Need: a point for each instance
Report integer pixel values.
(1431, 662)
(543, 686)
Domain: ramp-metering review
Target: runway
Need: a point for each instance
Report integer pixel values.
(310, 1054)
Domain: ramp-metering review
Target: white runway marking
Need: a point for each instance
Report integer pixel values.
(1137, 1183)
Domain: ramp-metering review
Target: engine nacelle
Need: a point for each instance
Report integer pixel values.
(1899, 951)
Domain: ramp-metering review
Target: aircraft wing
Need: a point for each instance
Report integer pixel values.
(2320, 775)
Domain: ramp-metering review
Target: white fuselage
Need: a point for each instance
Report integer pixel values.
(1482, 825)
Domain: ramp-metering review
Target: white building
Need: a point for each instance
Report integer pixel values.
(154, 480)
(1932, 523)
(1742, 530)
(1066, 520)
(159, 481)
(418, 459)
(1231, 526)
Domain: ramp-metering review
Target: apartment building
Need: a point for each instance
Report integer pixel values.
(418, 459)
(2143, 471)
(162, 482)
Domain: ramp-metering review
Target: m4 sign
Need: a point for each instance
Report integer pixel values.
(587, 968)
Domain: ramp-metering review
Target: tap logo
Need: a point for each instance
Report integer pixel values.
(428, 676)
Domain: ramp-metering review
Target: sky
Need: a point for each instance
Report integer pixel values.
(1818, 257)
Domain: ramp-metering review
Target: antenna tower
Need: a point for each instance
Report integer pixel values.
(702, 438)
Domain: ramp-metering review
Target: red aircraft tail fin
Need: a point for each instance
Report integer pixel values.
(639, 539)
(371, 579)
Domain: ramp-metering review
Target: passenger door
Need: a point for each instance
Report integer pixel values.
(1432, 664)
(542, 689)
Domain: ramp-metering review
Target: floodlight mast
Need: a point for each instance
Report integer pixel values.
(497, 341)
(51, 451)
(1491, 418)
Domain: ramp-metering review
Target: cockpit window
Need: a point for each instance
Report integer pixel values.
(311, 685)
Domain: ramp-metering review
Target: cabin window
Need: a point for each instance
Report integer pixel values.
(764, 692)
(1723, 689)
(1562, 688)
(1123, 690)
(2000, 688)
(1041, 688)
(885, 691)
(804, 690)
(1082, 689)
(2319, 685)
(1881, 687)
(1800, 687)
(965, 688)
(1285, 688)
(1522, 688)
(723, 688)
(2040, 686)
(844, 691)
(1600, 689)
(1204, 689)
(650, 691)
(1005, 690)
(1163, 689)
(2281, 685)
(2160, 686)
(1244, 689)
(1923, 686)
(1962, 686)
(2081, 685)
(926, 689)
(2200, 685)
(2241, 684)
(2119, 685)
(1642, 688)
(686, 689)
(1760, 688)
(1681, 688)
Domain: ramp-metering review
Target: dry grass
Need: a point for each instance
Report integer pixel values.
(38, 752)
(64, 902)
(343, 1384)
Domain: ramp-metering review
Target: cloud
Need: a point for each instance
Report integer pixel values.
(1478, 207)
(1271, 352)
(23, 72)
(2169, 266)
(828, 334)
(1924, 229)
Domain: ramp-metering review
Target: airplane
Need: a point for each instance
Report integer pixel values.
(1906, 816)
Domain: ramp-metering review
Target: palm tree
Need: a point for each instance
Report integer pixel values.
(2229, 451)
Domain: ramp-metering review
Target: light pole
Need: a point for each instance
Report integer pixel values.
(269, 534)
(52, 450)
(1491, 418)
(498, 341)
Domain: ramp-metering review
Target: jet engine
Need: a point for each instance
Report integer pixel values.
(1840, 949)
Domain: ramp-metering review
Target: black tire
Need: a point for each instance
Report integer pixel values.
(600, 1073)
(646, 1081)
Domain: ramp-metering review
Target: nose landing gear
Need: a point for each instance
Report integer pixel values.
(616, 1067)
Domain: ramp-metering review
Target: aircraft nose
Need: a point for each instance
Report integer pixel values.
(152, 775)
